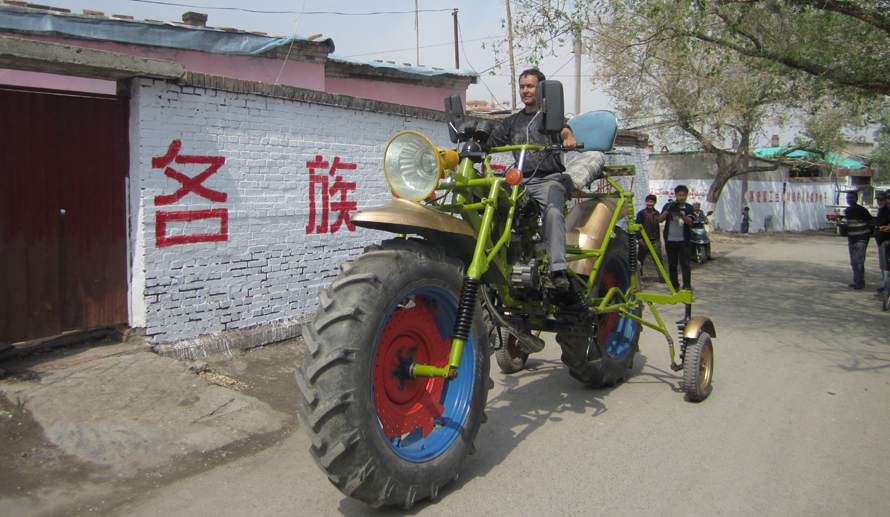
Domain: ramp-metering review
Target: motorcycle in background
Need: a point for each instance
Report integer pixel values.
(700, 239)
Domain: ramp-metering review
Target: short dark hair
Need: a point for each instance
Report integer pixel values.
(533, 71)
(681, 188)
(746, 209)
(854, 194)
(651, 197)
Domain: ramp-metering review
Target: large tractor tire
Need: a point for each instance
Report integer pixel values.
(380, 438)
(613, 340)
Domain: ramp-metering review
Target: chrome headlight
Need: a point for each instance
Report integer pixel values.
(412, 165)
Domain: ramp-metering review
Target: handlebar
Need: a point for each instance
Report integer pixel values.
(557, 147)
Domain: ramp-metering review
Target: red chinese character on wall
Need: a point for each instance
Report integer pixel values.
(341, 207)
(194, 185)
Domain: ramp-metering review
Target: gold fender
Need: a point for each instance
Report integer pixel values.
(450, 233)
(697, 325)
(586, 227)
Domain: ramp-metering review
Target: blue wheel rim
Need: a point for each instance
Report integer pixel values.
(620, 340)
(456, 394)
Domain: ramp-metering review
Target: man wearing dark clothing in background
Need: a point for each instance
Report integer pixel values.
(648, 218)
(678, 215)
(542, 172)
(882, 236)
(746, 220)
(859, 229)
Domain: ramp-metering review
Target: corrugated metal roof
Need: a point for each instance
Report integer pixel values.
(175, 35)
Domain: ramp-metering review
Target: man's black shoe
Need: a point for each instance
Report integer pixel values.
(686, 288)
(560, 281)
(859, 287)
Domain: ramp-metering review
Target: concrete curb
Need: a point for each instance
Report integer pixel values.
(224, 342)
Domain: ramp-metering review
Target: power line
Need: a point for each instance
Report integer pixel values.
(462, 47)
(288, 12)
(412, 48)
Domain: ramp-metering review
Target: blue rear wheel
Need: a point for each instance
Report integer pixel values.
(605, 354)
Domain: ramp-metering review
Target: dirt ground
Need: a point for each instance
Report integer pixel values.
(32, 466)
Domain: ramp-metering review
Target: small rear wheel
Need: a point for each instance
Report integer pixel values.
(699, 367)
(511, 358)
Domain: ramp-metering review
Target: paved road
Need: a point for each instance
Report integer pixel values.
(798, 422)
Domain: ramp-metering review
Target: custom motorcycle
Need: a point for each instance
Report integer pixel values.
(396, 374)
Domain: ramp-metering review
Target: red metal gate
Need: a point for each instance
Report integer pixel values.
(63, 246)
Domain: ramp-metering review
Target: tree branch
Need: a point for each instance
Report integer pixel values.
(873, 85)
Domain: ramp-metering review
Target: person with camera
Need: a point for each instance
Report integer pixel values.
(677, 216)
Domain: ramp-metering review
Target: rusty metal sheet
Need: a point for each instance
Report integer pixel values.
(63, 255)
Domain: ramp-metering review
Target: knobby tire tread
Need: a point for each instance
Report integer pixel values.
(605, 371)
(692, 370)
(351, 451)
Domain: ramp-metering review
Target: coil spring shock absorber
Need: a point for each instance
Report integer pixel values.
(463, 323)
(632, 253)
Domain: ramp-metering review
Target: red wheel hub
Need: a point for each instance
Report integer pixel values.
(607, 322)
(404, 405)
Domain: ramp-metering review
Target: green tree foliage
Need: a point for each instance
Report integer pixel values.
(671, 71)
(880, 159)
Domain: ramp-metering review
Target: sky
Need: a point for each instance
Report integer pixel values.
(387, 37)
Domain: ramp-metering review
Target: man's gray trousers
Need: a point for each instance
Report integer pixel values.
(549, 192)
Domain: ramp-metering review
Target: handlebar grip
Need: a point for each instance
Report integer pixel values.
(580, 145)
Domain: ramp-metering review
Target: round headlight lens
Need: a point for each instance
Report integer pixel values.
(411, 165)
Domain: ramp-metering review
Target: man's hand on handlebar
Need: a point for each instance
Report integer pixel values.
(570, 143)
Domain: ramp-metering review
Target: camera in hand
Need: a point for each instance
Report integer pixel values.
(674, 208)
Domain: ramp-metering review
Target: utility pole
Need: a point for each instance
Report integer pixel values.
(456, 54)
(417, 31)
(577, 70)
(512, 65)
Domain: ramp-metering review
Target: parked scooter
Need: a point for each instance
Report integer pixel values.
(700, 240)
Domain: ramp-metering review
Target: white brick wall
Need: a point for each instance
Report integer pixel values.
(269, 268)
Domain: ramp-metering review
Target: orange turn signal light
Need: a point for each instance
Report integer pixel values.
(513, 176)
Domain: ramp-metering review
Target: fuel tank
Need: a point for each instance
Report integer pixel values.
(586, 227)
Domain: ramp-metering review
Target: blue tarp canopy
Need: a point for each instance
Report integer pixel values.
(138, 32)
(834, 159)
(419, 70)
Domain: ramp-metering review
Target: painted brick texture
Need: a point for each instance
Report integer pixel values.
(268, 266)
(222, 236)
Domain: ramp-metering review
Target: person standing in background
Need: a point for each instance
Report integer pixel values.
(648, 218)
(859, 229)
(746, 220)
(882, 236)
(678, 215)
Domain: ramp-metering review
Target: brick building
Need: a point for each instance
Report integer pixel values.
(209, 205)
